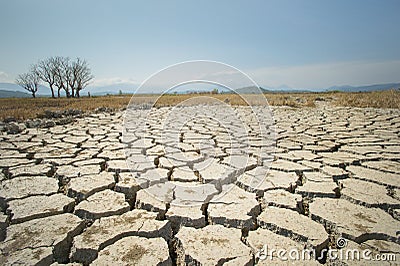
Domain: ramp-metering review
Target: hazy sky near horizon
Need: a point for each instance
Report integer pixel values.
(300, 44)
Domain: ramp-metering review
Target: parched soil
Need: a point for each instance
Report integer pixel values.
(197, 185)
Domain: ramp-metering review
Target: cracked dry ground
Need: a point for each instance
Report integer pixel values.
(68, 196)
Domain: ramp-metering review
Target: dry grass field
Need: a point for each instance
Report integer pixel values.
(25, 108)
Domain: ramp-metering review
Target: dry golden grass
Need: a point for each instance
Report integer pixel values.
(375, 99)
(24, 108)
(276, 99)
(292, 99)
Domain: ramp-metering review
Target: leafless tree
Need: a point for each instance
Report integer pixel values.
(29, 81)
(63, 74)
(46, 69)
(81, 76)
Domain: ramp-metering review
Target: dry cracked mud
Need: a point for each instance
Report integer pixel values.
(200, 188)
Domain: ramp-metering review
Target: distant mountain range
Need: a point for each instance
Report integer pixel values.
(43, 90)
(111, 89)
(254, 90)
(14, 94)
(376, 87)
(344, 88)
(8, 90)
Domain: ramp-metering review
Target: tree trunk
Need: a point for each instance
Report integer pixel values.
(58, 93)
(77, 93)
(34, 94)
(73, 92)
(52, 91)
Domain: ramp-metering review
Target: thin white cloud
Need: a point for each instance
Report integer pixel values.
(326, 75)
(112, 81)
(195, 71)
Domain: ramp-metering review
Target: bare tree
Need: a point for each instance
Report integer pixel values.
(29, 81)
(81, 75)
(66, 75)
(62, 73)
(46, 69)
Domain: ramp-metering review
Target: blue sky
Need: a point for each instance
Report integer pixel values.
(301, 44)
